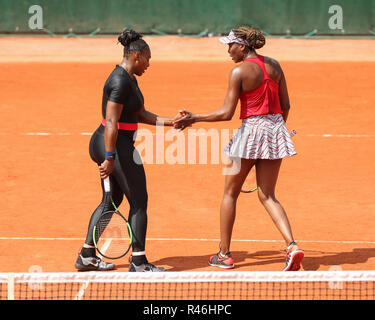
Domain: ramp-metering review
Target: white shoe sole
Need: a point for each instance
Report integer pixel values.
(221, 266)
(295, 261)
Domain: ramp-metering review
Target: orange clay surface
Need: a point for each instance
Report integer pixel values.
(50, 102)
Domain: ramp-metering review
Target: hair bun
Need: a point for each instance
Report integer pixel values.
(252, 35)
(128, 36)
(259, 41)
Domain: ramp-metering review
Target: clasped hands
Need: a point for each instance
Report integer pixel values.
(183, 119)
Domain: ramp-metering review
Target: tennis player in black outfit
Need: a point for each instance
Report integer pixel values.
(112, 148)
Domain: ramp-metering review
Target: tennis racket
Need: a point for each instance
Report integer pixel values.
(250, 184)
(112, 233)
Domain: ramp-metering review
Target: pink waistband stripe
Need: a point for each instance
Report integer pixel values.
(125, 126)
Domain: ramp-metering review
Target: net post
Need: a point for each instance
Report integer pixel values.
(10, 286)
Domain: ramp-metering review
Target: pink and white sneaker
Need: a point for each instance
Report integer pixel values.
(225, 262)
(293, 258)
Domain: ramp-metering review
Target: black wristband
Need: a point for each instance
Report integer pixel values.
(109, 155)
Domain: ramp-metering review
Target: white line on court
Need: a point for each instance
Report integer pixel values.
(82, 289)
(105, 247)
(198, 239)
(54, 133)
(328, 135)
(323, 135)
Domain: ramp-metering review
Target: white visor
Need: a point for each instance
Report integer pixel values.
(232, 38)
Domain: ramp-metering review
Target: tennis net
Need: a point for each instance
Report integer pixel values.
(231, 285)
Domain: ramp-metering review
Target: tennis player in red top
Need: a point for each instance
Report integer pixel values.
(261, 141)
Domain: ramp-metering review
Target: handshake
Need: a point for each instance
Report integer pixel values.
(183, 119)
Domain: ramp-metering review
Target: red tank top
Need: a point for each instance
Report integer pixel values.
(262, 100)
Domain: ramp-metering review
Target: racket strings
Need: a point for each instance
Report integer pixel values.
(102, 224)
(112, 235)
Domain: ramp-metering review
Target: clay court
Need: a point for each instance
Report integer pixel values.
(50, 102)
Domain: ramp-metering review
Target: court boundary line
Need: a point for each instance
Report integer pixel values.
(63, 134)
(82, 289)
(199, 239)
(322, 135)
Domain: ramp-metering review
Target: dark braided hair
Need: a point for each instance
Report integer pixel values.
(253, 36)
(132, 41)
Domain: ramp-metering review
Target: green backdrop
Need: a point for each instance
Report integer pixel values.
(278, 17)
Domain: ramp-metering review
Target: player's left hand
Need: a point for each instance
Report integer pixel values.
(184, 119)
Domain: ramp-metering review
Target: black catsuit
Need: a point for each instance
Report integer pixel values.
(128, 177)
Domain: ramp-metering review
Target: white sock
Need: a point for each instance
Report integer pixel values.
(139, 253)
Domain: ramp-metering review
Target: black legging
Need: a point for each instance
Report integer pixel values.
(128, 177)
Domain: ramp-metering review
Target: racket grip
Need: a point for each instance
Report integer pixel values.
(107, 185)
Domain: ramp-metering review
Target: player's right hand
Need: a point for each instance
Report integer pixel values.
(106, 168)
